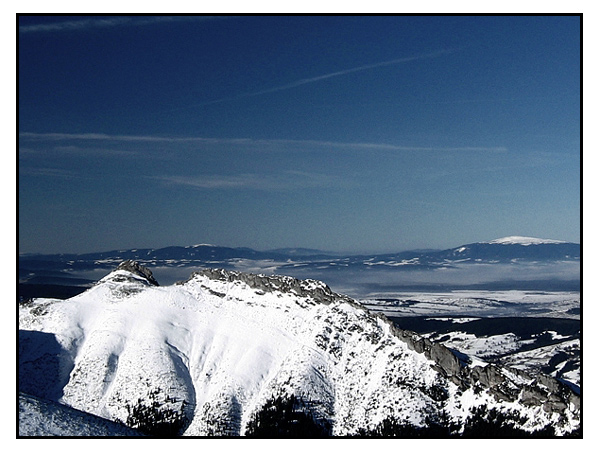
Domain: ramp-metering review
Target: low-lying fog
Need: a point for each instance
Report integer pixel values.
(361, 281)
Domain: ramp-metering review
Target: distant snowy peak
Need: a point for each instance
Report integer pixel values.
(511, 248)
(523, 240)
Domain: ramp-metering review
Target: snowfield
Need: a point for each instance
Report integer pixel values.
(206, 355)
(41, 418)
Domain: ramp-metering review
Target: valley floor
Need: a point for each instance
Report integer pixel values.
(529, 330)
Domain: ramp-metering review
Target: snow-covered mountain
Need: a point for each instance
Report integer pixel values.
(223, 352)
(515, 248)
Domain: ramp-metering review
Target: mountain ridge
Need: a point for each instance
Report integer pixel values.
(207, 353)
(505, 249)
(241, 252)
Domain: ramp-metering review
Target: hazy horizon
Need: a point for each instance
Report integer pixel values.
(333, 252)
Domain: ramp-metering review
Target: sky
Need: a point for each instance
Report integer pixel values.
(340, 133)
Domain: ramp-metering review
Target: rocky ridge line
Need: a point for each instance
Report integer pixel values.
(536, 390)
(314, 289)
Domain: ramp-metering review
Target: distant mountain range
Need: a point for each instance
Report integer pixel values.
(69, 270)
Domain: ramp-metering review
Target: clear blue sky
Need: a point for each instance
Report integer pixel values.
(339, 133)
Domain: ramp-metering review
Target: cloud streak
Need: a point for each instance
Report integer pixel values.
(48, 172)
(283, 144)
(110, 22)
(289, 180)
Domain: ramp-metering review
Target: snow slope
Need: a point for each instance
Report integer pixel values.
(38, 417)
(206, 354)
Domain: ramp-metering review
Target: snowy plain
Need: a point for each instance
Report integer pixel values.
(560, 304)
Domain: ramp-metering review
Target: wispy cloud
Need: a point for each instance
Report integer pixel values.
(322, 77)
(110, 22)
(81, 151)
(271, 144)
(288, 180)
(494, 100)
(54, 136)
(48, 172)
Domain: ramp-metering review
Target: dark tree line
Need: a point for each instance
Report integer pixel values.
(291, 417)
(284, 417)
(483, 423)
(155, 420)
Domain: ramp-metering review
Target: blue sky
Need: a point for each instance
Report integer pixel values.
(342, 133)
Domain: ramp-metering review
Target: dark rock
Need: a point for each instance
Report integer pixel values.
(316, 290)
(137, 269)
(445, 359)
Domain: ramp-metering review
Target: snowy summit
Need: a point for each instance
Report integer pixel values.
(523, 240)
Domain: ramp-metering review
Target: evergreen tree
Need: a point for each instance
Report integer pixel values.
(285, 417)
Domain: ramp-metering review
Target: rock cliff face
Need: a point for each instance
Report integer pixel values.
(209, 355)
(505, 384)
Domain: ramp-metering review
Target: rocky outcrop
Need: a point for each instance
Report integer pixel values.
(316, 290)
(137, 269)
(447, 362)
(501, 382)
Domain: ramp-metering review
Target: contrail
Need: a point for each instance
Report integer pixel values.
(324, 77)
(347, 71)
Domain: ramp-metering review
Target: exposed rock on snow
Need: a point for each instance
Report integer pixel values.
(312, 289)
(138, 270)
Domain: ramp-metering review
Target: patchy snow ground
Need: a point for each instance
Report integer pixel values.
(557, 304)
